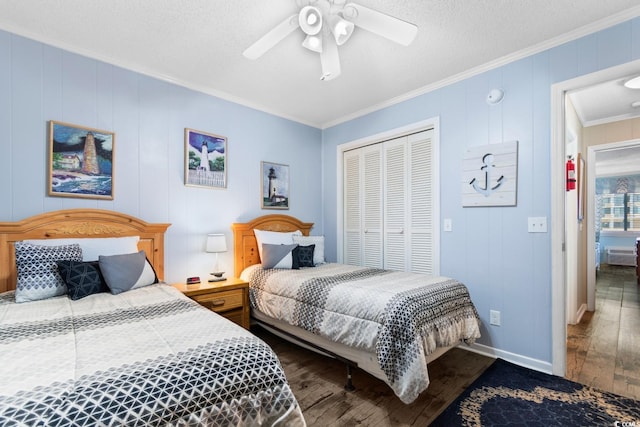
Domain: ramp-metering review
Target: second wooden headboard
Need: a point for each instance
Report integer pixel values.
(245, 247)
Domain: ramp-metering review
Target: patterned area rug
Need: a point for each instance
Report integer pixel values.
(510, 395)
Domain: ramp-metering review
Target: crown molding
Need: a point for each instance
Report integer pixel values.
(573, 35)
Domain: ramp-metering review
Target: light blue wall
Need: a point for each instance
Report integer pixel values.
(505, 267)
(40, 83)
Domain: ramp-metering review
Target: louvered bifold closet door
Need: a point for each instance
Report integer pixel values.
(372, 205)
(420, 201)
(395, 201)
(363, 206)
(352, 252)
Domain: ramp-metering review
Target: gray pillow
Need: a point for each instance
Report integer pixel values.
(38, 276)
(126, 271)
(277, 256)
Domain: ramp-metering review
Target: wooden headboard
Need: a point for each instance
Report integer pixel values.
(78, 223)
(245, 247)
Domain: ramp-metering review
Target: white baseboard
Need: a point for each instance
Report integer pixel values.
(581, 311)
(527, 362)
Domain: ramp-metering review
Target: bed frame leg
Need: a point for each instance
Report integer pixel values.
(349, 385)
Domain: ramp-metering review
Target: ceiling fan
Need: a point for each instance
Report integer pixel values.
(328, 24)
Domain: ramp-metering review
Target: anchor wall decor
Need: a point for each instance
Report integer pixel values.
(489, 175)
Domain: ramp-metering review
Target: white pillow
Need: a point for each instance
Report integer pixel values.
(318, 252)
(93, 247)
(274, 238)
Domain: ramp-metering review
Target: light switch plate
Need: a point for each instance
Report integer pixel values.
(537, 224)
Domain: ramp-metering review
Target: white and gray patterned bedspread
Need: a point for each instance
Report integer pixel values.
(402, 317)
(146, 357)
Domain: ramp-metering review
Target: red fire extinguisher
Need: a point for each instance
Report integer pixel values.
(571, 174)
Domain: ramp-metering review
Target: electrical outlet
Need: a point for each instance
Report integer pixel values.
(494, 317)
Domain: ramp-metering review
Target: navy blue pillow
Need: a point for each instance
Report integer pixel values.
(303, 256)
(82, 278)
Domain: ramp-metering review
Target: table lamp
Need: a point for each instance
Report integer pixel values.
(216, 243)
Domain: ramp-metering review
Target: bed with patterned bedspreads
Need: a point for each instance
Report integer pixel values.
(90, 335)
(388, 323)
(400, 317)
(149, 356)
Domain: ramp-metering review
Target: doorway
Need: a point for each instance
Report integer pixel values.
(612, 159)
(559, 260)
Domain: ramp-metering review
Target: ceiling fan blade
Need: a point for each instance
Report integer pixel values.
(272, 38)
(387, 26)
(329, 58)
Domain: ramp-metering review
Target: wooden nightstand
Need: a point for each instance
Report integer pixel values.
(229, 298)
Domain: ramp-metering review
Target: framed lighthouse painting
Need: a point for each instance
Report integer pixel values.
(275, 186)
(80, 161)
(205, 159)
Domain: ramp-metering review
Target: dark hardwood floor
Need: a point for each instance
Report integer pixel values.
(603, 350)
(318, 384)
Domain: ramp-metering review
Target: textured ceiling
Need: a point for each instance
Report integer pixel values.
(199, 44)
(606, 101)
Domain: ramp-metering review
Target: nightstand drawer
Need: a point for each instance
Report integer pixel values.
(221, 301)
(229, 298)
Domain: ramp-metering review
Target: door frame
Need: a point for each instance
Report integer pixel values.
(558, 261)
(591, 205)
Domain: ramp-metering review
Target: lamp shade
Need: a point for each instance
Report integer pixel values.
(216, 243)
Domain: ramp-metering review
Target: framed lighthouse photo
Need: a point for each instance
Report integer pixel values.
(80, 161)
(274, 186)
(205, 158)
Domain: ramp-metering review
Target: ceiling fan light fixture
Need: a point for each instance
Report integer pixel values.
(310, 19)
(341, 29)
(313, 43)
(329, 24)
(635, 104)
